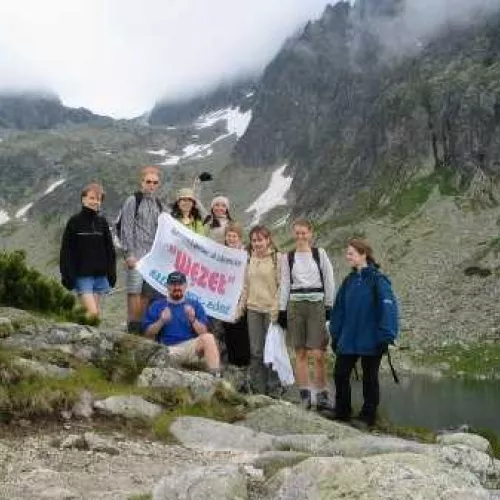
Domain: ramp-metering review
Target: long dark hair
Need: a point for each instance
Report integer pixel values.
(214, 222)
(364, 248)
(176, 212)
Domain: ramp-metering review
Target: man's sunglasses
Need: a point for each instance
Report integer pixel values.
(152, 182)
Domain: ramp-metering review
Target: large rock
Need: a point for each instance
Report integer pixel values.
(482, 465)
(129, 407)
(43, 369)
(203, 483)
(472, 440)
(282, 419)
(83, 342)
(399, 476)
(316, 444)
(368, 445)
(201, 385)
(209, 435)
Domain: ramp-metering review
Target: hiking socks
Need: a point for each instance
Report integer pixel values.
(322, 402)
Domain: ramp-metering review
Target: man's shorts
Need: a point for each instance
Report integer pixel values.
(134, 281)
(185, 352)
(306, 325)
(97, 285)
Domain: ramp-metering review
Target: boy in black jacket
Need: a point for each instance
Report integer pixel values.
(87, 258)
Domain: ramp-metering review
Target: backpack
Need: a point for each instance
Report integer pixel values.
(138, 199)
(315, 256)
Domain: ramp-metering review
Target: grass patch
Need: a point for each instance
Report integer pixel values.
(475, 361)
(141, 496)
(492, 437)
(420, 434)
(416, 193)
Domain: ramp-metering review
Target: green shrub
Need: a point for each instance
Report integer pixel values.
(25, 288)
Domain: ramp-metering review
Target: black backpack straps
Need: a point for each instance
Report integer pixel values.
(159, 205)
(291, 261)
(138, 195)
(315, 255)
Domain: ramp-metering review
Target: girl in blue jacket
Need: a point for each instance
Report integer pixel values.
(363, 322)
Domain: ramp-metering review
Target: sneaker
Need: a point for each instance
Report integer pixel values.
(322, 402)
(305, 399)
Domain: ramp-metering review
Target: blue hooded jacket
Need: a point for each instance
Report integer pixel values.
(365, 313)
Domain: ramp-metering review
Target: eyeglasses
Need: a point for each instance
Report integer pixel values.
(186, 199)
(155, 183)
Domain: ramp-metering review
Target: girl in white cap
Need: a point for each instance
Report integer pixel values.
(218, 219)
(186, 211)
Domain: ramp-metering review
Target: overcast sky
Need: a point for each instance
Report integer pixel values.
(118, 56)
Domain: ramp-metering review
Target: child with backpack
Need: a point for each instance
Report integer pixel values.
(364, 321)
(87, 258)
(306, 298)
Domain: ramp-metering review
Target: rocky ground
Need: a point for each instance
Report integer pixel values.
(89, 414)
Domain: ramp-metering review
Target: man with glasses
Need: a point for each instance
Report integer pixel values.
(139, 221)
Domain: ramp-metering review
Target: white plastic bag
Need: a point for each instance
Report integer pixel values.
(276, 354)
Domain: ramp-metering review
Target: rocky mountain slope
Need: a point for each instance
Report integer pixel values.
(186, 111)
(31, 111)
(338, 106)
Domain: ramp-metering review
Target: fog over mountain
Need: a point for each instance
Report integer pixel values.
(119, 56)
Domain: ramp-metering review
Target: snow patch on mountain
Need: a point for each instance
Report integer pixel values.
(273, 196)
(192, 151)
(20, 214)
(4, 217)
(237, 121)
(171, 161)
(54, 186)
(157, 152)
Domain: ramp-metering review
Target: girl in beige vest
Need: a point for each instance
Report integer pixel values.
(260, 297)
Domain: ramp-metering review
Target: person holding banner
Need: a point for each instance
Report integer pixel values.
(181, 324)
(260, 297)
(218, 219)
(138, 223)
(186, 211)
(236, 333)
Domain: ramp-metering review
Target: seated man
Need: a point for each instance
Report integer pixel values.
(181, 324)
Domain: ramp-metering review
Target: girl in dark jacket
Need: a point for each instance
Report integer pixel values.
(87, 258)
(363, 322)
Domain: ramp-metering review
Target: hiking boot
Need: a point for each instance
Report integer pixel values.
(322, 402)
(305, 399)
(364, 422)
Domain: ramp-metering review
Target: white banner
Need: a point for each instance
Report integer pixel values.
(215, 273)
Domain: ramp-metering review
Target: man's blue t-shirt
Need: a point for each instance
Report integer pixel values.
(178, 328)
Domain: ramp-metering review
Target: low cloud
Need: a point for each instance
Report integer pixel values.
(118, 56)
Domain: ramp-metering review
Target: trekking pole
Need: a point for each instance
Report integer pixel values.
(393, 371)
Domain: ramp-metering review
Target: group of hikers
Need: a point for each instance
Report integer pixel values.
(295, 290)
